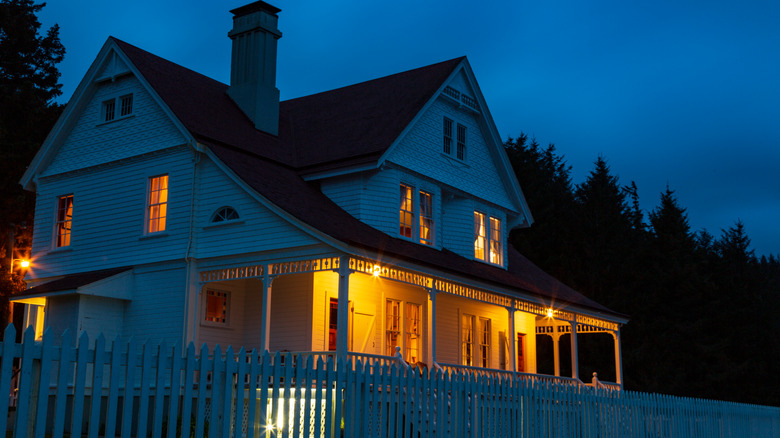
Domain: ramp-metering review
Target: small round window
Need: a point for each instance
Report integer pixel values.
(225, 214)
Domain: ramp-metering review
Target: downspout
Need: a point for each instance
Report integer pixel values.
(187, 259)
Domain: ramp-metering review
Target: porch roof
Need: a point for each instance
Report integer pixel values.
(68, 284)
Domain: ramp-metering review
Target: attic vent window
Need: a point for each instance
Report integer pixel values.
(462, 99)
(116, 108)
(225, 214)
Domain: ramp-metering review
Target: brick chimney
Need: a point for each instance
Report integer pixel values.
(253, 64)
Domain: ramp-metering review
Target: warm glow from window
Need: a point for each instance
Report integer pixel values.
(467, 340)
(413, 332)
(216, 306)
(426, 218)
(392, 326)
(495, 241)
(406, 211)
(479, 236)
(158, 203)
(64, 220)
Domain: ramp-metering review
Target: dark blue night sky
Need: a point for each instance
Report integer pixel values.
(678, 93)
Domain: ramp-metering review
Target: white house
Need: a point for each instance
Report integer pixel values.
(366, 220)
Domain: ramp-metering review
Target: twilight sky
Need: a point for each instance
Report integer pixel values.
(679, 93)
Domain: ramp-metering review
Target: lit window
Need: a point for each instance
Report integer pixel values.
(484, 236)
(393, 326)
(225, 214)
(447, 136)
(216, 306)
(467, 340)
(480, 234)
(426, 218)
(495, 241)
(461, 151)
(413, 332)
(158, 203)
(406, 211)
(64, 219)
(484, 342)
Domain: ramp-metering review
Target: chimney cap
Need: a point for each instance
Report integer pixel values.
(255, 7)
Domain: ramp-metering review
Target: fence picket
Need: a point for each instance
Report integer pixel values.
(299, 396)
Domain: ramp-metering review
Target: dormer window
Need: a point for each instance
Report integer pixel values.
(488, 239)
(459, 151)
(225, 214)
(116, 108)
(407, 210)
(426, 218)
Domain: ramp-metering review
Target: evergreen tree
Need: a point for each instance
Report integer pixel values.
(28, 86)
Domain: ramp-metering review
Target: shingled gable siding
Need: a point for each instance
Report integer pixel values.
(109, 215)
(258, 228)
(92, 142)
(421, 151)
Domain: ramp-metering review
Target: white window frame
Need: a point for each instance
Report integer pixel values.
(427, 221)
(485, 337)
(454, 139)
(207, 291)
(406, 211)
(400, 326)
(153, 206)
(117, 108)
(467, 339)
(416, 226)
(220, 215)
(489, 241)
(63, 226)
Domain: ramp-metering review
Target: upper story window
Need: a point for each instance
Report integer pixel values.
(424, 209)
(225, 214)
(157, 206)
(426, 218)
(64, 220)
(116, 108)
(488, 239)
(406, 211)
(458, 137)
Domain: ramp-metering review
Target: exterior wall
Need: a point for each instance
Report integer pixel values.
(291, 313)
(156, 311)
(525, 323)
(91, 142)
(420, 150)
(458, 223)
(109, 215)
(100, 315)
(62, 313)
(235, 331)
(449, 309)
(258, 229)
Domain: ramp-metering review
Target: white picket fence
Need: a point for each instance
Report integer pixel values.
(128, 389)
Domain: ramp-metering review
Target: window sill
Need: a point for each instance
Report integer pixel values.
(57, 249)
(154, 235)
(455, 161)
(215, 325)
(223, 224)
(129, 116)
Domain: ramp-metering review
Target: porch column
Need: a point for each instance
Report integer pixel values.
(431, 327)
(511, 339)
(556, 354)
(265, 312)
(574, 360)
(618, 359)
(342, 329)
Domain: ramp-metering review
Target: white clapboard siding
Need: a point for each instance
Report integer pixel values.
(186, 392)
(421, 150)
(109, 211)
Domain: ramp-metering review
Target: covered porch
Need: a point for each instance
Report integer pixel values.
(392, 313)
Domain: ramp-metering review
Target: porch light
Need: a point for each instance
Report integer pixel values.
(25, 264)
(550, 312)
(376, 270)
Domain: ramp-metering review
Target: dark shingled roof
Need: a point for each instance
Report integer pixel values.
(343, 127)
(71, 282)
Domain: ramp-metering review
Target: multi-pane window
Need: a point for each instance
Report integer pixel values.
(64, 219)
(413, 332)
(484, 342)
(447, 136)
(426, 218)
(157, 209)
(124, 104)
(392, 326)
(495, 241)
(406, 211)
(467, 339)
(461, 148)
(480, 235)
(488, 239)
(216, 306)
